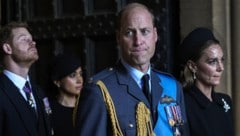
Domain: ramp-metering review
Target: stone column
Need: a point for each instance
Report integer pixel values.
(235, 25)
(221, 28)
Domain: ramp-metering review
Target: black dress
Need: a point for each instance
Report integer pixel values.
(206, 118)
(62, 119)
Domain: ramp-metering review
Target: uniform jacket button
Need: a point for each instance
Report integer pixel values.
(131, 125)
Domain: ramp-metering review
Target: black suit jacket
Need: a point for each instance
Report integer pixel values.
(209, 118)
(16, 116)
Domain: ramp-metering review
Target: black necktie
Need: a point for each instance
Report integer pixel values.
(145, 88)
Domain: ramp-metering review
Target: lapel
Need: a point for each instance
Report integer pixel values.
(20, 104)
(38, 100)
(43, 119)
(156, 89)
(156, 92)
(132, 88)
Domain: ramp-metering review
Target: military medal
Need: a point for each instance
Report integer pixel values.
(174, 118)
(48, 109)
(171, 120)
(176, 132)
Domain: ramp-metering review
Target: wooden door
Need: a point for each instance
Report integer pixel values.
(86, 28)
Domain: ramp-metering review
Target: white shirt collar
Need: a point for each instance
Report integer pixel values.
(16, 79)
(135, 73)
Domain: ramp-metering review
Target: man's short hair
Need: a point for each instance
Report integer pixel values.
(6, 34)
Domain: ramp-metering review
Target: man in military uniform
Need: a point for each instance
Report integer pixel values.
(114, 103)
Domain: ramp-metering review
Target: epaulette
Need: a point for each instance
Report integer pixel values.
(163, 73)
(102, 74)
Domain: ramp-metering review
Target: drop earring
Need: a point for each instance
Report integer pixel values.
(194, 76)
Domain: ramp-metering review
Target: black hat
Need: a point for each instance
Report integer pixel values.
(193, 42)
(64, 65)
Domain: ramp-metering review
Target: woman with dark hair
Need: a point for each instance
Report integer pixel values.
(209, 113)
(66, 75)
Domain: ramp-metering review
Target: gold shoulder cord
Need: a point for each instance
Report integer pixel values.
(144, 126)
(111, 109)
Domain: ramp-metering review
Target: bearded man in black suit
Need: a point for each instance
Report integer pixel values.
(22, 113)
